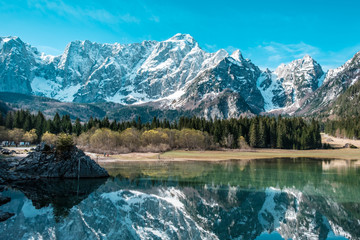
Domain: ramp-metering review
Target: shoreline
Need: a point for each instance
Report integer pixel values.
(236, 154)
(214, 156)
(227, 154)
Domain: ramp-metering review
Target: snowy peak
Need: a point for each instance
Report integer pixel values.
(237, 55)
(336, 82)
(10, 39)
(300, 77)
(290, 83)
(176, 73)
(306, 65)
(182, 37)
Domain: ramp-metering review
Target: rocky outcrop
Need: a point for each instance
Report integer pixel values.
(4, 215)
(47, 163)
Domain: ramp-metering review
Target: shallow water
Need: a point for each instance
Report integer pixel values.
(252, 199)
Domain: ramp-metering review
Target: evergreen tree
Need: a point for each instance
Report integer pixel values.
(262, 134)
(56, 124)
(28, 123)
(2, 121)
(9, 120)
(77, 127)
(40, 124)
(105, 123)
(138, 123)
(280, 133)
(66, 125)
(153, 123)
(254, 133)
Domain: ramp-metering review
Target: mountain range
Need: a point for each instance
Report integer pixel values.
(175, 75)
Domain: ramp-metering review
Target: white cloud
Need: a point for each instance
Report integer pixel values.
(154, 19)
(297, 50)
(272, 54)
(210, 47)
(49, 50)
(80, 12)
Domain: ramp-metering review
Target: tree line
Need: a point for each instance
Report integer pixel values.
(255, 132)
(344, 128)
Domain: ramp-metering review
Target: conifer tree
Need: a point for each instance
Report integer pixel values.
(280, 133)
(262, 134)
(2, 121)
(9, 120)
(254, 133)
(66, 125)
(27, 124)
(56, 124)
(77, 127)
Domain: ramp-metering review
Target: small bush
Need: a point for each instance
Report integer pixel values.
(64, 143)
(242, 143)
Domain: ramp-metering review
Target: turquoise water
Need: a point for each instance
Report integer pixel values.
(254, 199)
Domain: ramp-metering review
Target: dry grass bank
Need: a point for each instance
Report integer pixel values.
(181, 155)
(338, 142)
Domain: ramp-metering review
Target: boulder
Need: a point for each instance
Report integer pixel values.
(5, 215)
(4, 200)
(6, 151)
(349, 145)
(45, 162)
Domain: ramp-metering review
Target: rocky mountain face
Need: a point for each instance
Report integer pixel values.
(175, 74)
(290, 83)
(335, 84)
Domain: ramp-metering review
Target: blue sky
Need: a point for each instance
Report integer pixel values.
(267, 32)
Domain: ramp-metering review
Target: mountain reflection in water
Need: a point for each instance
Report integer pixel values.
(253, 199)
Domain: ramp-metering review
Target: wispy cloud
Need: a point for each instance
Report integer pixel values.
(49, 50)
(154, 18)
(210, 47)
(81, 12)
(272, 54)
(284, 52)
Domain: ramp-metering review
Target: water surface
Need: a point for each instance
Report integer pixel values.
(252, 199)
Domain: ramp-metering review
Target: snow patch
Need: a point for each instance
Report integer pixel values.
(67, 94)
(30, 211)
(44, 87)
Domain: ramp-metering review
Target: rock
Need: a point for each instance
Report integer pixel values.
(49, 164)
(349, 145)
(6, 151)
(43, 147)
(4, 200)
(5, 216)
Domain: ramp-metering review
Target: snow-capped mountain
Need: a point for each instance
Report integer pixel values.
(335, 83)
(172, 74)
(290, 83)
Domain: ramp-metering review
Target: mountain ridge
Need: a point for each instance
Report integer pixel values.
(175, 74)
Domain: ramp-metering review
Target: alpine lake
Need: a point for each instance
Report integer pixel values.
(286, 198)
